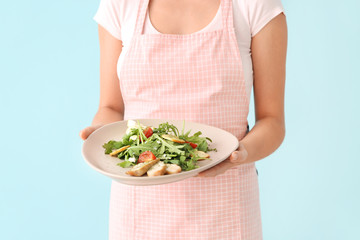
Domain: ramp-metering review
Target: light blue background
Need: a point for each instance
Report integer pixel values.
(49, 60)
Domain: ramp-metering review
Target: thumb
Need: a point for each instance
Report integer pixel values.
(85, 133)
(238, 157)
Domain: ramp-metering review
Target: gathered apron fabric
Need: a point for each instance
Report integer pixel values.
(197, 77)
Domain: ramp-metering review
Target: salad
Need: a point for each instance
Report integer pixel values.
(158, 150)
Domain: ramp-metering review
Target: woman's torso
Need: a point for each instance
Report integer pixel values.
(197, 77)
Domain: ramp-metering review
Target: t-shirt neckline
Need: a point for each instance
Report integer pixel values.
(152, 29)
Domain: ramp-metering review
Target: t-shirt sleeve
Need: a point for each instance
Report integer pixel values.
(261, 12)
(108, 16)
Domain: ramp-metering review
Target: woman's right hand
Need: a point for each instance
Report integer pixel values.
(85, 133)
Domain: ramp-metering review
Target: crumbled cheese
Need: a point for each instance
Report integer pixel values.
(131, 124)
(132, 159)
(133, 137)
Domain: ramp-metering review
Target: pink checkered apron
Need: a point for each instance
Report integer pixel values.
(196, 77)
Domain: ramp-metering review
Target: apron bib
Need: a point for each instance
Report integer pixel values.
(196, 77)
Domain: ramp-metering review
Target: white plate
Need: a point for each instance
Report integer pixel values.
(94, 155)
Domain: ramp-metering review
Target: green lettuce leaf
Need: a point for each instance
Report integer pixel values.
(111, 145)
(126, 164)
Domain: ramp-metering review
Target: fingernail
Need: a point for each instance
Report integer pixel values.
(234, 157)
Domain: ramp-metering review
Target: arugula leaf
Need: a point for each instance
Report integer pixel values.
(177, 162)
(126, 164)
(162, 149)
(187, 165)
(166, 128)
(190, 165)
(141, 135)
(203, 146)
(171, 147)
(126, 138)
(200, 141)
(111, 145)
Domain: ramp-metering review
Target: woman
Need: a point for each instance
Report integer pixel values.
(195, 60)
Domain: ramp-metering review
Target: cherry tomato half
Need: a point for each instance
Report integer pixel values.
(148, 132)
(193, 145)
(146, 156)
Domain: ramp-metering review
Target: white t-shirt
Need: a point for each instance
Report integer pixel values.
(118, 17)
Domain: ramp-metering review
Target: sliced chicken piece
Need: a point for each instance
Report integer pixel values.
(141, 168)
(116, 152)
(172, 138)
(157, 170)
(202, 155)
(172, 168)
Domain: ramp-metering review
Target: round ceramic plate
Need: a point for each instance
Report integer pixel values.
(94, 155)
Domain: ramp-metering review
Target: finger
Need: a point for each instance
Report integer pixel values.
(238, 157)
(85, 133)
(218, 169)
(214, 171)
(234, 157)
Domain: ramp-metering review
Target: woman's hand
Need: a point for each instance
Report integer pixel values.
(85, 133)
(236, 158)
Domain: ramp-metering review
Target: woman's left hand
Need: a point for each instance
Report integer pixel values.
(236, 158)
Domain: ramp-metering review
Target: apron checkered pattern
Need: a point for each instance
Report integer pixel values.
(196, 77)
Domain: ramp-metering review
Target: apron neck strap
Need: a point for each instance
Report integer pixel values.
(226, 9)
(227, 14)
(140, 19)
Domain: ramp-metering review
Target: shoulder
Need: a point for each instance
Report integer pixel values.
(116, 16)
(122, 5)
(253, 4)
(120, 8)
(257, 13)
